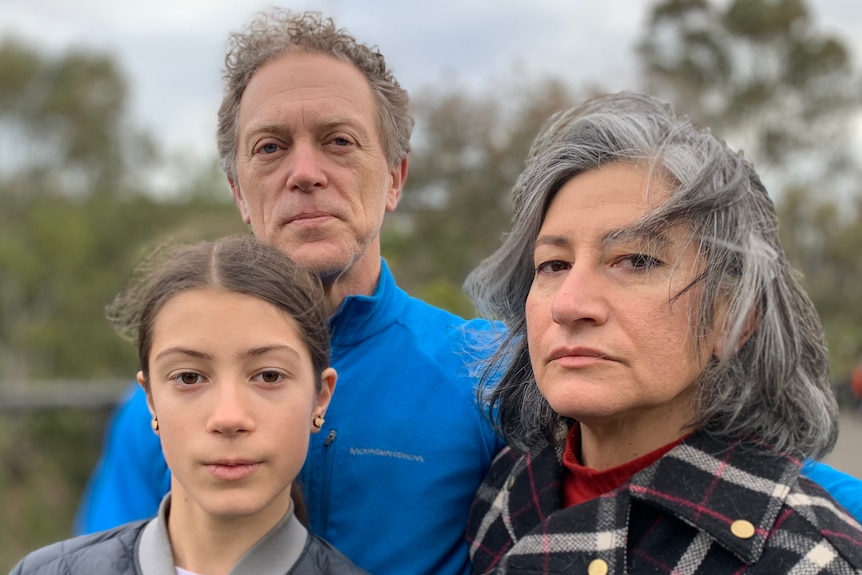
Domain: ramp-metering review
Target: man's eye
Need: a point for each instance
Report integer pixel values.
(269, 148)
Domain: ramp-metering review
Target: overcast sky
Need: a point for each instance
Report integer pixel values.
(172, 50)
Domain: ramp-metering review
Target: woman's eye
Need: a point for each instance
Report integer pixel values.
(639, 262)
(551, 267)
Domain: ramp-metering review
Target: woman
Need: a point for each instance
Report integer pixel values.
(234, 355)
(664, 375)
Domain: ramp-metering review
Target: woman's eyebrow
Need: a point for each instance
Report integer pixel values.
(637, 233)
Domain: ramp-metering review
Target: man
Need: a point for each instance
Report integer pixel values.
(313, 136)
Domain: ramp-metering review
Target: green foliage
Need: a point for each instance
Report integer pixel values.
(75, 220)
(757, 71)
(824, 240)
(468, 152)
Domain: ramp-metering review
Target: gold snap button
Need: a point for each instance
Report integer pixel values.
(742, 529)
(598, 567)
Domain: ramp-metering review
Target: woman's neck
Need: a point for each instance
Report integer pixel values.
(607, 444)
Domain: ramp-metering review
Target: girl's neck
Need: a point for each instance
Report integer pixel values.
(210, 545)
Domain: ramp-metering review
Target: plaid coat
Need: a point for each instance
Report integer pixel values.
(707, 506)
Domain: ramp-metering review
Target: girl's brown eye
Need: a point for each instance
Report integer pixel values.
(189, 378)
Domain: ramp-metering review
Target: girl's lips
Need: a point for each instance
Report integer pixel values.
(231, 471)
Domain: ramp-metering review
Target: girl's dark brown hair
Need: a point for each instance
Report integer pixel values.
(238, 264)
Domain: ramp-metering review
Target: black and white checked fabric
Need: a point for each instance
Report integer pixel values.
(681, 515)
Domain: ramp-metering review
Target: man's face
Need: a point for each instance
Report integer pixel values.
(312, 175)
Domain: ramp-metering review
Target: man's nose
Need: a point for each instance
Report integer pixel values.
(307, 167)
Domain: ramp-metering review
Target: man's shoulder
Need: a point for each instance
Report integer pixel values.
(844, 488)
(822, 516)
(422, 316)
(111, 551)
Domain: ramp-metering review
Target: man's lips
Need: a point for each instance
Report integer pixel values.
(309, 217)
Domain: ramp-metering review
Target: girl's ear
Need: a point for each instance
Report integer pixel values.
(328, 378)
(143, 383)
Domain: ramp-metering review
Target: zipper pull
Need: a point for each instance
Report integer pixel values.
(329, 438)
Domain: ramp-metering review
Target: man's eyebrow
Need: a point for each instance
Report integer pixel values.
(328, 124)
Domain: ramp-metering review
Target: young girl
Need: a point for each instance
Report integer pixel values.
(234, 353)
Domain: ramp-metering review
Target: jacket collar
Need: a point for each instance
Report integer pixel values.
(724, 482)
(281, 547)
(729, 488)
(359, 317)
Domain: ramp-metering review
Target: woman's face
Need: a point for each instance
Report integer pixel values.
(606, 343)
(233, 387)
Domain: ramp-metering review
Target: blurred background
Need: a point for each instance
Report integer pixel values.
(107, 121)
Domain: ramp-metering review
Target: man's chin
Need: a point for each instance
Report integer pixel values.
(327, 261)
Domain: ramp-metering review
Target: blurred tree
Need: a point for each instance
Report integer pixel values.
(467, 152)
(76, 215)
(757, 71)
(824, 239)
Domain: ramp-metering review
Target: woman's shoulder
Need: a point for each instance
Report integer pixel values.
(111, 551)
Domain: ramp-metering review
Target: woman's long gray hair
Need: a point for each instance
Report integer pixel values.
(774, 387)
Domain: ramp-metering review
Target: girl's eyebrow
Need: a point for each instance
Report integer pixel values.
(246, 353)
(264, 349)
(178, 350)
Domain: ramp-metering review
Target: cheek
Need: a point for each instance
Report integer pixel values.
(537, 319)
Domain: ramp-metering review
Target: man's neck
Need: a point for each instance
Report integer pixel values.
(360, 279)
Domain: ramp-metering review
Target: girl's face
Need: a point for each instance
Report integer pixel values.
(233, 388)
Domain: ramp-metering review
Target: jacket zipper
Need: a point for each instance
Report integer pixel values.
(329, 456)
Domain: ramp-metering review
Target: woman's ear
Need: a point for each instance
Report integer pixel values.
(748, 328)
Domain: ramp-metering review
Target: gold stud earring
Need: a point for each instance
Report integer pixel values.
(318, 421)
(155, 424)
